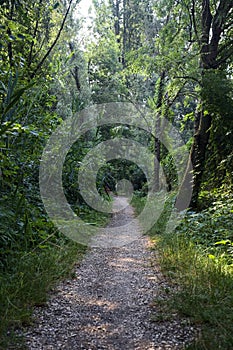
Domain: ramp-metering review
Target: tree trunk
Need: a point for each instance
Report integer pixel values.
(9, 45)
(75, 70)
(157, 143)
(198, 154)
(212, 28)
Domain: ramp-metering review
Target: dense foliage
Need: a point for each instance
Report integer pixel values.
(173, 57)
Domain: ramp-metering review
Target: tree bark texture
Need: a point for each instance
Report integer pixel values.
(212, 27)
(157, 143)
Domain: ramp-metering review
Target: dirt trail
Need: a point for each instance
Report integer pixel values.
(109, 303)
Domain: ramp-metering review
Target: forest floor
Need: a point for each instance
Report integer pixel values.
(111, 303)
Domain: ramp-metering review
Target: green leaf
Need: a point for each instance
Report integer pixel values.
(211, 256)
(16, 96)
(223, 242)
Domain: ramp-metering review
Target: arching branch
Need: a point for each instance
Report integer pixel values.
(54, 43)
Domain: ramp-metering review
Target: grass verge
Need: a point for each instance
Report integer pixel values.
(28, 276)
(27, 283)
(205, 292)
(203, 271)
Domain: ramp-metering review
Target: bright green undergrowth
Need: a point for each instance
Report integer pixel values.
(205, 290)
(197, 257)
(33, 265)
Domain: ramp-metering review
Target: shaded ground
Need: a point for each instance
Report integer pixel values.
(108, 305)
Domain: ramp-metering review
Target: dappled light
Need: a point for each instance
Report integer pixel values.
(116, 174)
(110, 303)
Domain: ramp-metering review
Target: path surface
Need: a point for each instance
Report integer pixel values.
(109, 303)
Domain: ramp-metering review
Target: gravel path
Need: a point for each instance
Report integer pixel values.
(109, 305)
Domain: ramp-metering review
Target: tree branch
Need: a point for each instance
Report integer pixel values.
(34, 33)
(187, 77)
(54, 43)
(194, 21)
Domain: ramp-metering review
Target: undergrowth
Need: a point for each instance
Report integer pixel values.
(27, 283)
(27, 275)
(197, 257)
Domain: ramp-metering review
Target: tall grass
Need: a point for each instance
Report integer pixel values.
(205, 292)
(27, 283)
(28, 276)
(202, 270)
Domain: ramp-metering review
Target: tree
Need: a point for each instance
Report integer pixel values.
(215, 50)
(194, 51)
(30, 34)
